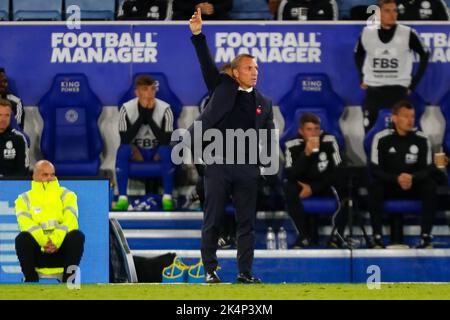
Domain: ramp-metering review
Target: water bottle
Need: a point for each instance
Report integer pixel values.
(270, 239)
(282, 239)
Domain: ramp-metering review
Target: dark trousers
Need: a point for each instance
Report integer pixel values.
(31, 257)
(424, 191)
(306, 224)
(377, 98)
(241, 182)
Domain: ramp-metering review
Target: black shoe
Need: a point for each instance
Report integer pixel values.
(335, 243)
(426, 242)
(377, 242)
(247, 279)
(301, 243)
(212, 277)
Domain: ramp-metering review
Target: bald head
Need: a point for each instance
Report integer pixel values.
(44, 171)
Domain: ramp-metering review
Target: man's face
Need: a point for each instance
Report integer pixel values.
(45, 173)
(5, 118)
(246, 72)
(388, 15)
(3, 83)
(146, 95)
(309, 130)
(404, 120)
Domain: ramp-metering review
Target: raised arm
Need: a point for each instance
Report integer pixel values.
(211, 74)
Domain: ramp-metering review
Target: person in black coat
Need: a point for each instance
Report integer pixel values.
(235, 104)
(14, 159)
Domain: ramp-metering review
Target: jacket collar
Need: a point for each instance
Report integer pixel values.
(45, 186)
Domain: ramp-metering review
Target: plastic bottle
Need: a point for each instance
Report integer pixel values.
(282, 239)
(270, 239)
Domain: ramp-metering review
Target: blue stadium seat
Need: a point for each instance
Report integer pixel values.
(37, 9)
(445, 108)
(71, 138)
(153, 169)
(163, 92)
(391, 206)
(94, 9)
(346, 5)
(4, 10)
(419, 104)
(313, 93)
(250, 10)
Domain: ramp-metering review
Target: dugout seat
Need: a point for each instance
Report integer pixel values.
(445, 108)
(391, 206)
(311, 93)
(94, 10)
(345, 6)
(4, 10)
(71, 138)
(250, 10)
(37, 9)
(144, 168)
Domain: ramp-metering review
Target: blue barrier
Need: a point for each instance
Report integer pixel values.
(93, 208)
(110, 54)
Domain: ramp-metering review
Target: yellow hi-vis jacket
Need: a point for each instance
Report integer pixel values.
(47, 211)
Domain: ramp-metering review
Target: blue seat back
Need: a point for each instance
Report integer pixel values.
(163, 92)
(70, 110)
(312, 93)
(445, 108)
(4, 10)
(419, 105)
(37, 9)
(383, 122)
(346, 5)
(250, 10)
(94, 9)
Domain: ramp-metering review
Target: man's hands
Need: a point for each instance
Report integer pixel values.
(195, 23)
(50, 247)
(306, 190)
(405, 181)
(363, 86)
(312, 144)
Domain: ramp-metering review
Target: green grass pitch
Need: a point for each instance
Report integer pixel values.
(403, 291)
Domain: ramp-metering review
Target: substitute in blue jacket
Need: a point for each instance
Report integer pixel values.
(145, 127)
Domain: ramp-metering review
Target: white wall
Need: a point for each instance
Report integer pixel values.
(433, 124)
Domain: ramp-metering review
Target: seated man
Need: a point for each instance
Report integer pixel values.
(422, 10)
(145, 127)
(48, 221)
(16, 103)
(14, 160)
(401, 166)
(308, 10)
(143, 10)
(311, 162)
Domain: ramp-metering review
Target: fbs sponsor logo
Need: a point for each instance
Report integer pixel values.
(103, 47)
(269, 47)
